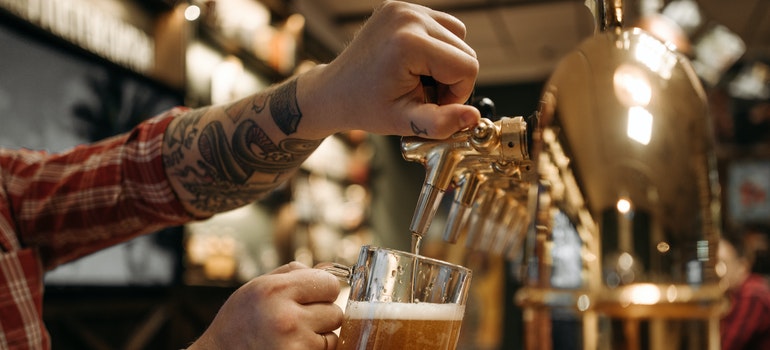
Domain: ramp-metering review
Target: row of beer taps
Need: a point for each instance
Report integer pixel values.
(488, 170)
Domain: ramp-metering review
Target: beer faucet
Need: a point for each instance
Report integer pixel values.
(467, 187)
(464, 159)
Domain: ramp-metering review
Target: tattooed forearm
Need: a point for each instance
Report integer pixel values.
(218, 196)
(250, 150)
(236, 153)
(181, 136)
(242, 107)
(235, 169)
(284, 108)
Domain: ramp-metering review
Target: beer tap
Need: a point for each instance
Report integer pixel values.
(493, 217)
(507, 226)
(467, 183)
(490, 147)
(482, 217)
(466, 189)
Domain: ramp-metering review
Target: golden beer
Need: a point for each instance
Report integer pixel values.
(402, 326)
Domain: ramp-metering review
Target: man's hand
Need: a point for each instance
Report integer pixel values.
(375, 84)
(289, 308)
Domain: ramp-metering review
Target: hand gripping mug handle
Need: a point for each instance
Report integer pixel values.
(343, 273)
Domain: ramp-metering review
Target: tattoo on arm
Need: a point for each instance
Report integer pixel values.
(236, 110)
(417, 131)
(235, 169)
(182, 136)
(224, 177)
(284, 107)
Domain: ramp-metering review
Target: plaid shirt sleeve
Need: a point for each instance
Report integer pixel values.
(71, 204)
(55, 208)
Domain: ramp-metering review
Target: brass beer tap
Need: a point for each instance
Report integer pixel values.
(465, 160)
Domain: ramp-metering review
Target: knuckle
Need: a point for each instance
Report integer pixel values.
(401, 13)
(405, 40)
(266, 291)
(288, 323)
(391, 6)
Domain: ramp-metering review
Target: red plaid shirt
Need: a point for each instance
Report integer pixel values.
(55, 208)
(747, 325)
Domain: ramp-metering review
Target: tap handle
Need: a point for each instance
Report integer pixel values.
(486, 106)
(343, 273)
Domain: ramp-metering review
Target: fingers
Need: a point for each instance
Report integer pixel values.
(443, 55)
(286, 309)
(379, 75)
(306, 285)
(447, 21)
(323, 317)
(294, 265)
(450, 22)
(329, 341)
(449, 30)
(453, 69)
(440, 52)
(312, 286)
(439, 122)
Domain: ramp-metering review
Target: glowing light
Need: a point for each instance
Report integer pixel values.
(625, 261)
(671, 293)
(642, 294)
(623, 205)
(684, 13)
(639, 125)
(583, 302)
(663, 247)
(656, 56)
(192, 13)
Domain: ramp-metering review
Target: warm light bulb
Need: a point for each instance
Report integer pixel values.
(623, 205)
(641, 294)
(192, 12)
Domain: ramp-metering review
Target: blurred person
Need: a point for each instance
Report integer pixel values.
(186, 165)
(758, 239)
(747, 323)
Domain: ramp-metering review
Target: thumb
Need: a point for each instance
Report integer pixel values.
(439, 122)
(294, 265)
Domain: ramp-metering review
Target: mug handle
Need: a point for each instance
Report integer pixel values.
(343, 273)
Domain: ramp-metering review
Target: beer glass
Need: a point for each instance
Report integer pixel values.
(400, 300)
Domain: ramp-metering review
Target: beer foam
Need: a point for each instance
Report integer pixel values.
(404, 311)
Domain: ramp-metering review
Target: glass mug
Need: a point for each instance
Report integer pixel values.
(400, 300)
